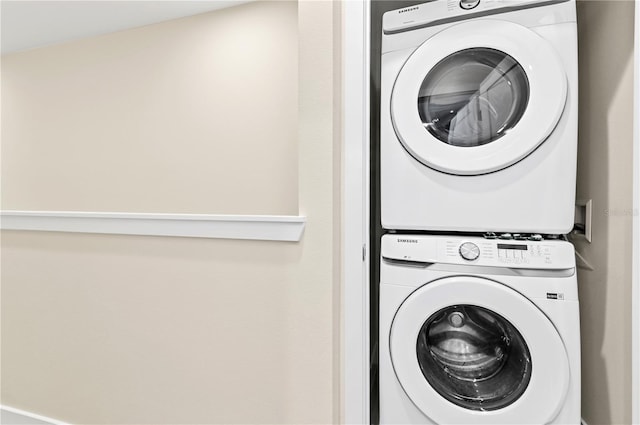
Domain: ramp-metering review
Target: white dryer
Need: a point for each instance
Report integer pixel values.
(479, 116)
(477, 331)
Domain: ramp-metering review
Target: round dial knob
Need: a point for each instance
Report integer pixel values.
(469, 251)
(469, 4)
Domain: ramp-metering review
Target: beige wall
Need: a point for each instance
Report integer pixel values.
(108, 329)
(605, 175)
(195, 115)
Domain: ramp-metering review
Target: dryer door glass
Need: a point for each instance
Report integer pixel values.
(473, 97)
(474, 357)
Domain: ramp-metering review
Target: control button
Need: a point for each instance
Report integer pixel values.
(519, 237)
(535, 237)
(490, 235)
(469, 4)
(505, 236)
(469, 251)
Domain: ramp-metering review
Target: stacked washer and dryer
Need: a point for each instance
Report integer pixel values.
(479, 318)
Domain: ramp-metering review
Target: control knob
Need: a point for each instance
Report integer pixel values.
(469, 251)
(469, 4)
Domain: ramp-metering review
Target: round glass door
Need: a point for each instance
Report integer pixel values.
(473, 97)
(472, 350)
(478, 97)
(474, 357)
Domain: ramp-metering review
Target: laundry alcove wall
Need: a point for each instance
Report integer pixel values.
(605, 175)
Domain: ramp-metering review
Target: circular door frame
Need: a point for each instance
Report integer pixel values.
(550, 374)
(547, 97)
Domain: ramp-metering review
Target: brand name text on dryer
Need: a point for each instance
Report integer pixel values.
(408, 10)
(408, 240)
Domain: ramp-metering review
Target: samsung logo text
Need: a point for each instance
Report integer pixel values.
(408, 10)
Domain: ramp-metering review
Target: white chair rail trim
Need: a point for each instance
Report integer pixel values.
(255, 227)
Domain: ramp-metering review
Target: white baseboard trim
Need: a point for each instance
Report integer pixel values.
(12, 416)
(255, 227)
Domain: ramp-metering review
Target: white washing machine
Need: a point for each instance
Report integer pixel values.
(477, 331)
(479, 116)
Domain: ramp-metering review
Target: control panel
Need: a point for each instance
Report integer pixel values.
(531, 253)
(442, 11)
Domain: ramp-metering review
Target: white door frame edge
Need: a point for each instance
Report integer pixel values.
(355, 213)
(635, 303)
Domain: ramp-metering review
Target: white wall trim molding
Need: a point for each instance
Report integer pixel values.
(254, 227)
(355, 214)
(635, 303)
(23, 417)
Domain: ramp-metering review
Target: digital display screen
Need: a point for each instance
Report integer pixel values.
(512, 246)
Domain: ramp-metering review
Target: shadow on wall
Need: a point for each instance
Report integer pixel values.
(605, 40)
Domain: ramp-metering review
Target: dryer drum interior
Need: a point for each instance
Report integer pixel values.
(474, 357)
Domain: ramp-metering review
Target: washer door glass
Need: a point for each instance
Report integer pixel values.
(474, 357)
(473, 97)
(472, 350)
